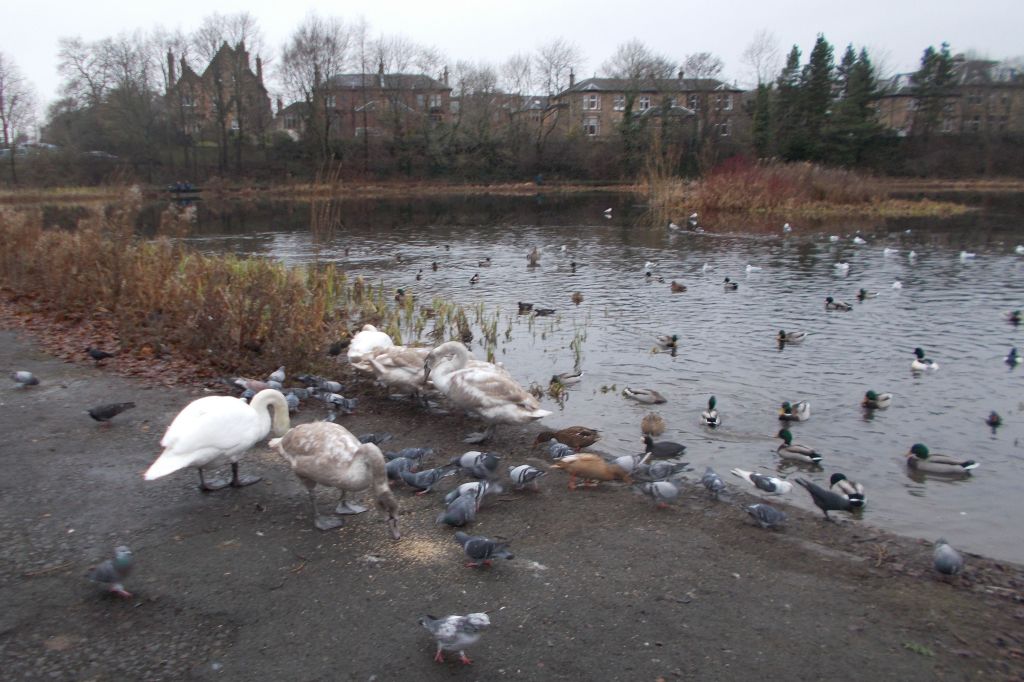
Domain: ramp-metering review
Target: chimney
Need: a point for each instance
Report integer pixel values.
(280, 105)
(444, 76)
(170, 70)
(572, 78)
(259, 69)
(380, 66)
(680, 74)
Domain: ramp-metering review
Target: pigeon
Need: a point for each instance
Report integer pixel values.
(664, 449)
(455, 633)
(826, 500)
(24, 378)
(314, 381)
(97, 355)
(337, 401)
(254, 385)
(713, 482)
(766, 515)
(293, 401)
(461, 510)
(481, 550)
(112, 572)
(424, 480)
(658, 471)
(628, 463)
(276, 385)
(662, 492)
(375, 438)
(559, 450)
(769, 484)
(478, 464)
(410, 453)
(396, 466)
(104, 413)
(524, 475)
(946, 559)
(277, 375)
(478, 488)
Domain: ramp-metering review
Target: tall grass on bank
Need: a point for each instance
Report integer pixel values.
(224, 312)
(781, 189)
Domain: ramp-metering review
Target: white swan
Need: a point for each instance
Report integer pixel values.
(328, 454)
(488, 392)
(218, 429)
(365, 343)
(400, 368)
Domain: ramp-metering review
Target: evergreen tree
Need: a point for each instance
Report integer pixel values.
(933, 84)
(816, 84)
(853, 126)
(762, 120)
(786, 112)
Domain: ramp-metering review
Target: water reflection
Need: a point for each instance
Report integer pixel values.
(727, 341)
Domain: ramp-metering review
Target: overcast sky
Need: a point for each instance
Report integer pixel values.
(894, 31)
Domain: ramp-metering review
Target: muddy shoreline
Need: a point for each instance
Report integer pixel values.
(238, 585)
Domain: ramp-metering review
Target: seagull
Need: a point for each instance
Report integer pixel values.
(672, 226)
(859, 241)
(890, 252)
(897, 284)
(753, 268)
(608, 211)
(946, 559)
(842, 266)
(455, 633)
(912, 256)
(1019, 250)
(966, 255)
(707, 267)
(833, 238)
(786, 227)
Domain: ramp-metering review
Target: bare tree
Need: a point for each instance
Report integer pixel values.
(702, 65)
(553, 63)
(17, 108)
(317, 50)
(636, 62)
(83, 71)
(762, 57)
(232, 29)
(517, 74)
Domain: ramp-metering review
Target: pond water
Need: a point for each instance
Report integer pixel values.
(952, 307)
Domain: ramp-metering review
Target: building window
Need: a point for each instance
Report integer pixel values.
(291, 121)
(693, 101)
(535, 116)
(330, 101)
(723, 129)
(619, 103)
(645, 103)
(435, 101)
(188, 101)
(976, 124)
(591, 102)
(723, 102)
(911, 105)
(591, 126)
(234, 124)
(947, 125)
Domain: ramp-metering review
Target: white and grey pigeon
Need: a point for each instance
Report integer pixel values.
(460, 511)
(277, 375)
(628, 462)
(658, 471)
(479, 464)
(24, 378)
(769, 484)
(112, 572)
(478, 488)
(481, 550)
(455, 633)
(424, 481)
(559, 450)
(766, 515)
(713, 482)
(663, 493)
(946, 559)
(524, 475)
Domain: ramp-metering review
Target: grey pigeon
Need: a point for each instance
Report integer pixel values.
(338, 401)
(276, 385)
(301, 393)
(480, 550)
(479, 488)
(947, 560)
(411, 453)
(321, 383)
(482, 465)
(292, 400)
(524, 475)
(396, 466)
(24, 378)
(455, 633)
(658, 471)
(766, 515)
(628, 462)
(713, 482)
(662, 492)
(104, 413)
(424, 481)
(559, 450)
(277, 375)
(461, 511)
(112, 572)
(375, 438)
(248, 394)
(826, 500)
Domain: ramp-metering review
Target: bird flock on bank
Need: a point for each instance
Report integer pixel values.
(217, 430)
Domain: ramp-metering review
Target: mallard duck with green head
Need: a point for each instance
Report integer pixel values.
(796, 452)
(852, 490)
(791, 337)
(795, 412)
(876, 401)
(921, 363)
(921, 459)
(710, 416)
